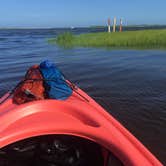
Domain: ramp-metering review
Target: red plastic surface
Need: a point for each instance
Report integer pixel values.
(74, 116)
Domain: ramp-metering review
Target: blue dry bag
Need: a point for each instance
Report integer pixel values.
(55, 83)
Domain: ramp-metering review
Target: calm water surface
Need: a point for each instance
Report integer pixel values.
(130, 84)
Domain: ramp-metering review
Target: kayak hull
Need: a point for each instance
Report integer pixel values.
(80, 116)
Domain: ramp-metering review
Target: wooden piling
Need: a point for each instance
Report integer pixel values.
(120, 28)
(114, 25)
(109, 25)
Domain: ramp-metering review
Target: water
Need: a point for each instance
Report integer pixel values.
(130, 84)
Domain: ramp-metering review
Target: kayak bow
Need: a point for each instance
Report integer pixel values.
(74, 116)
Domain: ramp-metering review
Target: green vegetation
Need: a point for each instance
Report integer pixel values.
(143, 39)
(66, 39)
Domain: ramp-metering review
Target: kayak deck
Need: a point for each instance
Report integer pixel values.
(80, 116)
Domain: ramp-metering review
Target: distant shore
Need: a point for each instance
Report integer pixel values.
(128, 27)
(142, 39)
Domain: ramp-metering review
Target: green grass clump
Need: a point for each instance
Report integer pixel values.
(143, 39)
(65, 40)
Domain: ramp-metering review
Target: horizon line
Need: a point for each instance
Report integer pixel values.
(73, 27)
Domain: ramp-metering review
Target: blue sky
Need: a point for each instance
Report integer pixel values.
(66, 13)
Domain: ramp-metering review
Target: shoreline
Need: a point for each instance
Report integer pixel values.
(140, 39)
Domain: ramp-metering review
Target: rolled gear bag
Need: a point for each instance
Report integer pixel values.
(30, 88)
(55, 84)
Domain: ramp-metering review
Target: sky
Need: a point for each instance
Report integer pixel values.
(80, 13)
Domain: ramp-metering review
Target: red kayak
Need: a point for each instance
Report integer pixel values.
(78, 116)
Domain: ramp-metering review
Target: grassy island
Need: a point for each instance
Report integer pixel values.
(142, 39)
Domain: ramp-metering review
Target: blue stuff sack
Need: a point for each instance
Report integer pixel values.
(54, 81)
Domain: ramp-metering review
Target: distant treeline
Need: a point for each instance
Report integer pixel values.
(131, 27)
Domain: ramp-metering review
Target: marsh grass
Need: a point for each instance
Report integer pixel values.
(143, 39)
(65, 40)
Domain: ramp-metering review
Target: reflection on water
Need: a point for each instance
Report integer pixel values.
(130, 84)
